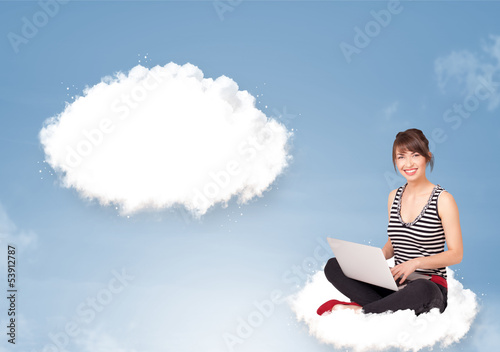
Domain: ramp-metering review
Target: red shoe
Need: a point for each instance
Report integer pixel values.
(328, 306)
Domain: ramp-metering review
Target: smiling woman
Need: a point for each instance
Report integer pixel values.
(422, 218)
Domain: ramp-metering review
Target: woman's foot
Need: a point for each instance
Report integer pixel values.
(330, 305)
(357, 309)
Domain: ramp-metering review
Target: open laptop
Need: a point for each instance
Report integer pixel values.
(367, 264)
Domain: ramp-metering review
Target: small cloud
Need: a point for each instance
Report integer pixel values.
(166, 137)
(391, 110)
(460, 66)
(10, 234)
(472, 73)
(377, 332)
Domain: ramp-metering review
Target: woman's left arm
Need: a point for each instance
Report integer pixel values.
(448, 212)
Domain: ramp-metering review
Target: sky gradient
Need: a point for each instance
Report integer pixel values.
(338, 74)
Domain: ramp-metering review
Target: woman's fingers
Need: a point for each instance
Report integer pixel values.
(395, 272)
(398, 273)
(402, 271)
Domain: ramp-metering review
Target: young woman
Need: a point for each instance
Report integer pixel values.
(422, 218)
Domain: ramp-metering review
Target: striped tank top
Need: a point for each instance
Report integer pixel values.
(422, 237)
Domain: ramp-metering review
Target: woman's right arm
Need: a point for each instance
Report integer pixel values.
(388, 250)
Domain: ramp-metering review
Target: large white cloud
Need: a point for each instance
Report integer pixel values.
(376, 332)
(165, 136)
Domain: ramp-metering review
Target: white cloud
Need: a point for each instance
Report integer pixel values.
(473, 73)
(165, 136)
(460, 65)
(376, 332)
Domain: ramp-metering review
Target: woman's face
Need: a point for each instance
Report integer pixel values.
(411, 164)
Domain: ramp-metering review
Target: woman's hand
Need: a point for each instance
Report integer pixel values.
(403, 270)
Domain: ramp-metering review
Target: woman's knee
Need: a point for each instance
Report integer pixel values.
(426, 288)
(332, 267)
(430, 294)
(332, 263)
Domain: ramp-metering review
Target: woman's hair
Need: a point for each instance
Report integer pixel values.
(412, 140)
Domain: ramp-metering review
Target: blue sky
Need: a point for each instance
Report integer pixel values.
(193, 279)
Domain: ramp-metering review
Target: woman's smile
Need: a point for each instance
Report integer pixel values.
(410, 172)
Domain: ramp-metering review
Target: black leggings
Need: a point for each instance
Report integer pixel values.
(419, 295)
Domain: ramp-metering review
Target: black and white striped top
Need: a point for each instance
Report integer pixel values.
(424, 236)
